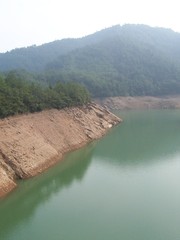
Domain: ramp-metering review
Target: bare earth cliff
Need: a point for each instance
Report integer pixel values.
(31, 143)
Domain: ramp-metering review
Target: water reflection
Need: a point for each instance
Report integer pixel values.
(144, 140)
(106, 191)
(21, 205)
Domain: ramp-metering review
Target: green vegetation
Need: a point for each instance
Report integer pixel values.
(21, 96)
(119, 61)
(132, 60)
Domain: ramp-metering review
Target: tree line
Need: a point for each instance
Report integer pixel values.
(17, 95)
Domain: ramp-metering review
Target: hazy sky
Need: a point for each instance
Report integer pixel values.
(27, 22)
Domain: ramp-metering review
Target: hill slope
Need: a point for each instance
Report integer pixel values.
(121, 60)
(35, 58)
(133, 60)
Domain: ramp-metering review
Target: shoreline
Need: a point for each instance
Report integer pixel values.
(140, 102)
(30, 144)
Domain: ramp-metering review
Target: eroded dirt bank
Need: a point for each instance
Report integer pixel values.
(31, 143)
(147, 102)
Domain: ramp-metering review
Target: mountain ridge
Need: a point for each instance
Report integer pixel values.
(132, 59)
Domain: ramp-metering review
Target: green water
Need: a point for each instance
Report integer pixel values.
(125, 186)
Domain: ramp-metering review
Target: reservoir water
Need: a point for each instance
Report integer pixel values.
(125, 186)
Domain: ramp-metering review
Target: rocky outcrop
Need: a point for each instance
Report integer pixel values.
(29, 144)
(7, 182)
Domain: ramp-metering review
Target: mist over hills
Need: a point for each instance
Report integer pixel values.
(34, 58)
(121, 60)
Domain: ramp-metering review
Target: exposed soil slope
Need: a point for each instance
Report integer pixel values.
(146, 102)
(31, 143)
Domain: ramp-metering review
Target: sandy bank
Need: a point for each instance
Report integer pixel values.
(29, 144)
(147, 102)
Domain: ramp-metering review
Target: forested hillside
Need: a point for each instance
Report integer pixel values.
(35, 58)
(135, 60)
(121, 60)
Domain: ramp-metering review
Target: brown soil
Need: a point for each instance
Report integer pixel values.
(147, 102)
(29, 144)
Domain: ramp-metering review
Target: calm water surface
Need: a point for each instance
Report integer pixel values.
(125, 186)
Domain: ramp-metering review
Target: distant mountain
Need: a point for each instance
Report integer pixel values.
(35, 58)
(121, 60)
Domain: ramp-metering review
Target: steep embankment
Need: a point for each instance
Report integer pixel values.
(31, 143)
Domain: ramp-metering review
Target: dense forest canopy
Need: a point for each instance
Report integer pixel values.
(21, 96)
(121, 60)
